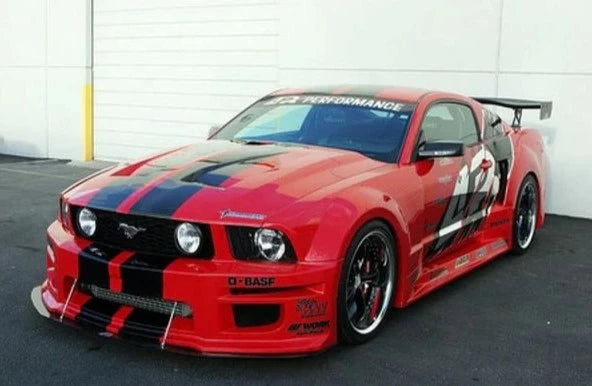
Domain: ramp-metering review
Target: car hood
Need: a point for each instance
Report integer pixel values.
(219, 181)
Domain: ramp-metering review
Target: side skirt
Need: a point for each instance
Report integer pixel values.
(439, 273)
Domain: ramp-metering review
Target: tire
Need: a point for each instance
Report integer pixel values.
(525, 216)
(370, 284)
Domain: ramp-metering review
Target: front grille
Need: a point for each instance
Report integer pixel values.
(242, 242)
(150, 304)
(158, 238)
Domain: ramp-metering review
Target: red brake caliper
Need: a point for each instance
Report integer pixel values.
(375, 303)
(376, 293)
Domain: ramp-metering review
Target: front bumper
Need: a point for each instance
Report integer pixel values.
(237, 308)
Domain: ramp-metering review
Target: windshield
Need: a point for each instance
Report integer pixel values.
(373, 127)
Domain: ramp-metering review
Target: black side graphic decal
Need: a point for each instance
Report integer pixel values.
(473, 197)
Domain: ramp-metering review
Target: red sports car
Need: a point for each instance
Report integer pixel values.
(298, 224)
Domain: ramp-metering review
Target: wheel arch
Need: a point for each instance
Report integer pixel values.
(529, 160)
(514, 188)
(540, 209)
(391, 216)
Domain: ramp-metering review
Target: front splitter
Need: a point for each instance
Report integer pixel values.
(37, 301)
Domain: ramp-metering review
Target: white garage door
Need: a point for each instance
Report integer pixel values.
(167, 70)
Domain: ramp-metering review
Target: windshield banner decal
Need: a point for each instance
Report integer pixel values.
(371, 103)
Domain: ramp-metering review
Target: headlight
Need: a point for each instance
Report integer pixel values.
(270, 243)
(87, 222)
(188, 238)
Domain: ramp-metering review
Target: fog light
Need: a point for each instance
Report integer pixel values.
(270, 243)
(188, 238)
(87, 222)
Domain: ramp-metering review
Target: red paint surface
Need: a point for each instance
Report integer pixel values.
(319, 198)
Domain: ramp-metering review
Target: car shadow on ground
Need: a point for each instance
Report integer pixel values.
(515, 320)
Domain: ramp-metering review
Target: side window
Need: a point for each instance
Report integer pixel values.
(450, 122)
(493, 124)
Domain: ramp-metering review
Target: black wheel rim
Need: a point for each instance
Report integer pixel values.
(526, 216)
(369, 282)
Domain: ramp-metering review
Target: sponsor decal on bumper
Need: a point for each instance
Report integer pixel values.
(207, 286)
(308, 328)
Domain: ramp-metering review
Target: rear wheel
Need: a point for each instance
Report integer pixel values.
(367, 283)
(525, 214)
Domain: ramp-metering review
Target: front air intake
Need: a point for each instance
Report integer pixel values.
(254, 315)
(150, 304)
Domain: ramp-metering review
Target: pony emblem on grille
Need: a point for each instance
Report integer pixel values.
(130, 231)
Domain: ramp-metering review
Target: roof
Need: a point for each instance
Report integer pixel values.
(405, 94)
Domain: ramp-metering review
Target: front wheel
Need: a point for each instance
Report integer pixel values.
(525, 214)
(367, 283)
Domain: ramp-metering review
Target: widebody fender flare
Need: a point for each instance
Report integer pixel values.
(529, 159)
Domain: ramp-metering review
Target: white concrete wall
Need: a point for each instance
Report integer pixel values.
(538, 49)
(549, 55)
(167, 69)
(43, 60)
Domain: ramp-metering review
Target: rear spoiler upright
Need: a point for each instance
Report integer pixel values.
(518, 105)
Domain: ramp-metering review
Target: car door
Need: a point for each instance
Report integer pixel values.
(451, 185)
(497, 143)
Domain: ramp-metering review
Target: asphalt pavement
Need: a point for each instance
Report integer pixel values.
(517, 320)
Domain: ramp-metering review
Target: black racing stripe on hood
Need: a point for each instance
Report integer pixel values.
(215, 176)
(142, 275)
(96, 314)
(113, 194)
(218, 168)
(190, 153)
(144, 325)
(93, 264)
(165, 198)
(214, 173)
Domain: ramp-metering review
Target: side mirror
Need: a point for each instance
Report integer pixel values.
(213, 130)
(441, 149)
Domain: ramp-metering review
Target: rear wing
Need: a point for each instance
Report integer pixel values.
(518, 105)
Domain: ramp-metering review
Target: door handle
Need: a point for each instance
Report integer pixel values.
(486, 164)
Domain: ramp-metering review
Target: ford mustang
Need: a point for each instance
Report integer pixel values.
(300, 223)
